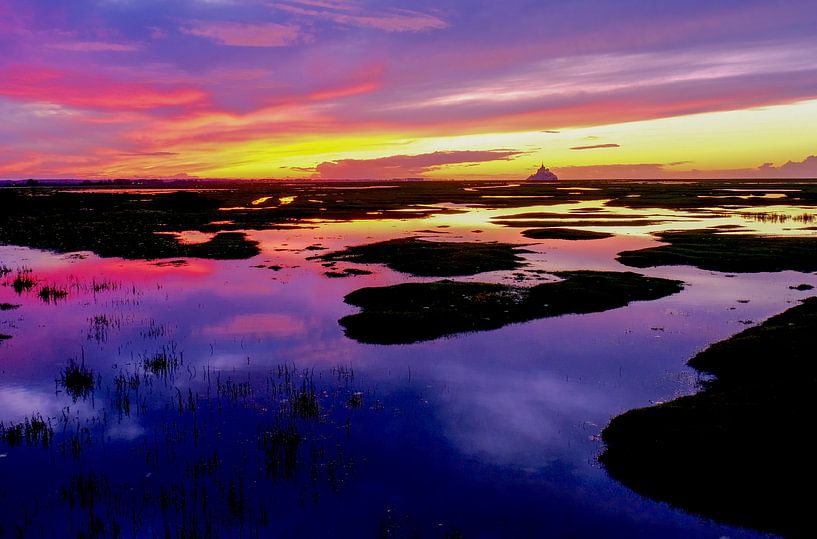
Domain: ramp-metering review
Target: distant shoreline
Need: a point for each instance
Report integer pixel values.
(119, 182)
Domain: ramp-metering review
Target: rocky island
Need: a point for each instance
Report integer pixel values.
(543, 174)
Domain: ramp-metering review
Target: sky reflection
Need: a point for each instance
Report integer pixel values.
(518, 408)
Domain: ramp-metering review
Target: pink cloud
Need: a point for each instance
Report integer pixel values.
(395, 20)
(83, 90)
(406, 166)
(625, 105)
(238, 34)
(340, 5)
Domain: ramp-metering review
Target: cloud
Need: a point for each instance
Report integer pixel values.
(598, 88)
(406, 166)
(349, 14)
(638, 171)
(595, 147)
(237, 34)
(805, 169)
(95, 46)
(84, 90)
(149, 154)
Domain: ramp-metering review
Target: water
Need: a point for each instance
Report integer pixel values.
(491, 434)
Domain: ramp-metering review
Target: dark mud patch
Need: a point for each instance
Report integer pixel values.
(737, 451)
(533, 223)
(223, 246)
(565, 234)
(575, 215)
(171, 263)
(801, 287)
(121, 225)
(706, 194)
(420, 257)
(348, 272)
(733, 253)
(415, 312)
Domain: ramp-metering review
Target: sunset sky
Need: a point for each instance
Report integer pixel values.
(383, 89)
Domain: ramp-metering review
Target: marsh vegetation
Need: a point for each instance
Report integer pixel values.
(223, 448)
(77, 380)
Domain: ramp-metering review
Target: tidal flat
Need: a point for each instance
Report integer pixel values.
(402, 359)
(732, 452)
(412, 312)
(420, 257)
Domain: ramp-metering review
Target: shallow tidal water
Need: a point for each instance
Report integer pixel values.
(490, 434)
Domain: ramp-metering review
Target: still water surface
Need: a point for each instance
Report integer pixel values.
(492, 434)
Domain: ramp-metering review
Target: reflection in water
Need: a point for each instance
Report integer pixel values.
(746, 197)
(283, 201)
(234, 381)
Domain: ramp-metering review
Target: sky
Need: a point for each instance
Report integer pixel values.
(332, 89)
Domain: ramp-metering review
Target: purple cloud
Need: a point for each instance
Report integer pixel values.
(595, 146)
(95, 46)
(805, 169)
(350, 14)
(406, 166)
(238, 34)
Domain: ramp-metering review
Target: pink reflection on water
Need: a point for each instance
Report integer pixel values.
(259, 324)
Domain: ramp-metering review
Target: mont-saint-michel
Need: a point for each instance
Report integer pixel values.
(543, 174)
